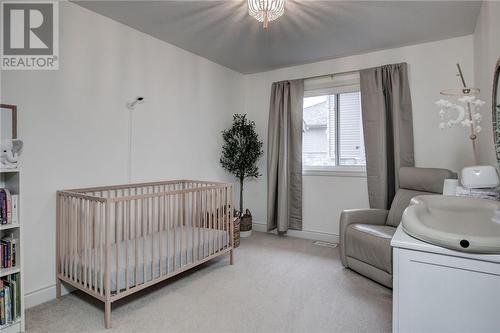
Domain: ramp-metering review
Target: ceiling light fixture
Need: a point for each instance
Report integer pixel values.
(266, 11)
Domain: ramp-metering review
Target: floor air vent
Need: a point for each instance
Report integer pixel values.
(325, 244)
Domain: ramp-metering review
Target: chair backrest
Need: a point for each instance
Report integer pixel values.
(413, 182)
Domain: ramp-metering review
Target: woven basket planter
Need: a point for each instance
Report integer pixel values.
(246, 224)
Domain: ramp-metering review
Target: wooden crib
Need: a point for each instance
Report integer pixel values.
(113, 241)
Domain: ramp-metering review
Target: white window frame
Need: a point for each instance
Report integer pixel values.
(333, 85)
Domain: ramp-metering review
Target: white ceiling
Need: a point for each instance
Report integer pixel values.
(309, 31)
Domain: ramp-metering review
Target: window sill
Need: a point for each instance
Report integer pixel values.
(336, 172)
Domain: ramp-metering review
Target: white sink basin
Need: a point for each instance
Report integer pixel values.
(458, 223)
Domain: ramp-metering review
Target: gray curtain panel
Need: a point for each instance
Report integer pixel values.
(284, 156)
(387, 129)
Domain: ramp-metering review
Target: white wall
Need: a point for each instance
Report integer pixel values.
(75, 125)
(486, 55)
(432, 68)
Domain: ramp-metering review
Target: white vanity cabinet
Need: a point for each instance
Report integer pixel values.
(441, 290)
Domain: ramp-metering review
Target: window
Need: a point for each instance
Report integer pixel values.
(332, 127)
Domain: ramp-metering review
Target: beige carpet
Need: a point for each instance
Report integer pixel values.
(278, 284)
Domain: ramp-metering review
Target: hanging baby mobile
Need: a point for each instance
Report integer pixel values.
(464, 113)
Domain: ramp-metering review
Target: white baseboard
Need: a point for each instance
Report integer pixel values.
(45, 294)
(306, 234)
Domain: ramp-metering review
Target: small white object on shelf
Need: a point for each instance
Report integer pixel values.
(480, 176)
(9, 153)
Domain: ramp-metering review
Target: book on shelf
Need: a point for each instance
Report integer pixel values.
(8, 251)
(8, 207)
(14, 210)
(10, 299)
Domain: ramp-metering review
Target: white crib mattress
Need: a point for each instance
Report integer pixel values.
(178, 246)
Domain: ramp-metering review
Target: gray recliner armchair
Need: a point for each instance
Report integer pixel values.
(365, 234)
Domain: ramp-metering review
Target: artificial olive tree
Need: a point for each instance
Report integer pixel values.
(241, 151)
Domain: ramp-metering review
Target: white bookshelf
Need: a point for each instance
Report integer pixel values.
(11, 179)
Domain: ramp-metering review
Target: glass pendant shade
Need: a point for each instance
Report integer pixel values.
(266, 11)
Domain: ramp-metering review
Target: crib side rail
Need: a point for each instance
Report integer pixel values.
(81, 241)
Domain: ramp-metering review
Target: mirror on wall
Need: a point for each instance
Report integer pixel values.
(8, 122)
(496, 111)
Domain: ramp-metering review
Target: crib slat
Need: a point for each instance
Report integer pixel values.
(88, 268)
(210, 221)
(143, 227)
(96, 248)
(127, 238)
(169, 230)
(90, 246)
(64, 226)
(74, 222)
(160, 233)
(208, 212)
(221, 220)
(198, 224)
(151, 218)
(178, 224)
(224, 220)
(219, 215)
(75, 242)
(224, 210)
(228, 210)
(117, 242)
(174, 226)
(206, 216)
(181, 228)
(101, 245)
(107, 262)
(185, 207)
(231, 224)
(74, 239)
(61, 223)
(136, 237)
(214, 225)
(191, 208)
(182, 223)
(94, 245)
(81, 231)
(216, 219)
(220, 236)
(84, 243)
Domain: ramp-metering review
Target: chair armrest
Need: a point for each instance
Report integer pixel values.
(351, 216)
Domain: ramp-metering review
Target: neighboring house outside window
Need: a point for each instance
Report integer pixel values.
(332, 127)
